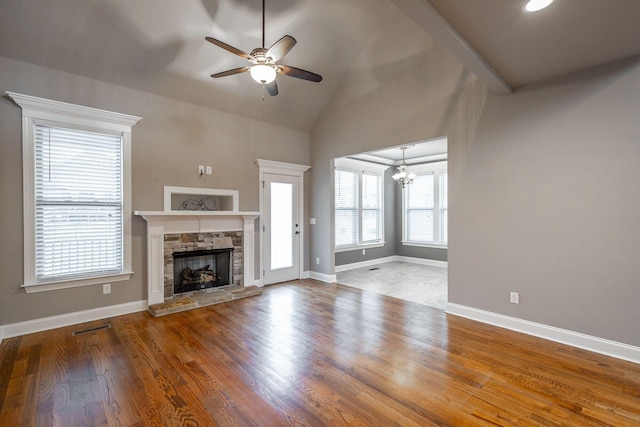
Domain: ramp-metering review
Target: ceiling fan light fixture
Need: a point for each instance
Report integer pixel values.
(263, 74)
(536, 5)
(264, 62)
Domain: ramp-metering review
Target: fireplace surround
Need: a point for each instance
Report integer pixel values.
(164, 223)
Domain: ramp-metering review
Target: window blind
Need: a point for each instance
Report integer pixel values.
(78, 203)
(371, 207)
(346, 207)
(419, 209)
(444, 208)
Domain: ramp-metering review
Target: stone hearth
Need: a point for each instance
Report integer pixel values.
(203, 298)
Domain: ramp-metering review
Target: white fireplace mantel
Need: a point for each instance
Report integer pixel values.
(160, 223)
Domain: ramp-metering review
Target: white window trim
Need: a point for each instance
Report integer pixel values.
(359, 167)
(362, 246)
(88, 118)
(423, 245)
(436, 168)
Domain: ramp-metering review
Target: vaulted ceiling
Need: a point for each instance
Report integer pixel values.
(158, 46)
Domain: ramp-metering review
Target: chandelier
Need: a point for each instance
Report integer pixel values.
(403, 177)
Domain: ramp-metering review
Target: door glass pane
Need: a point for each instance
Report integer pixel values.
(281, 225)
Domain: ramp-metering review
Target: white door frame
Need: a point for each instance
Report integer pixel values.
(287, 169)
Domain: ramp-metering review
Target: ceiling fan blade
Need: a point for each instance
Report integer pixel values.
(272, 88)
(299, 73)
(281, 48)
(230, 72)
(230, 48)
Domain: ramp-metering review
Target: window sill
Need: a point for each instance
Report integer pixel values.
(357, 247)
(52, 286)
(424, 245)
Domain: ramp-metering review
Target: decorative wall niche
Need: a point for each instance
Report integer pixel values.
(200, 199)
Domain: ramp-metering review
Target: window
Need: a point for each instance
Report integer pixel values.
(371, 208)
(358, 204)
(78, 221)
(76, 194)
(425, 205)
(347, 204)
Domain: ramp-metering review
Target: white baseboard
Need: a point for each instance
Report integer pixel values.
(306, 274)
(564, 336)
(68, 319)
(361, 264)
(328, 278)
(369, 263)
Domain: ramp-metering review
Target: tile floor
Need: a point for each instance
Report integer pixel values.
(412, 282)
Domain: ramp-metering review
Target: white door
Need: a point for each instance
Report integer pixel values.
(281, 229)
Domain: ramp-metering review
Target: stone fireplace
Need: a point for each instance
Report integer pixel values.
(197, 230)
(196, 261)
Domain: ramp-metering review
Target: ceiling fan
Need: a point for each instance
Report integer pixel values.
(264, 66)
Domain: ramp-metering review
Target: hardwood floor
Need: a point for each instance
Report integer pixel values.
(307, 353)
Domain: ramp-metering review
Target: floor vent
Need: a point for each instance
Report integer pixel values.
(374, 268)
(86, 331)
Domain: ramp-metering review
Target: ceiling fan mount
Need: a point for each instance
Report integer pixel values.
(264, 66)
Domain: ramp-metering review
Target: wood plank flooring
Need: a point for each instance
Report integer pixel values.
(308, 353)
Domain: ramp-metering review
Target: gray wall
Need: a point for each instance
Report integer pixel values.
(413, 92)
(542, 182)
(390, 219)
(167, 145)
(546, 203)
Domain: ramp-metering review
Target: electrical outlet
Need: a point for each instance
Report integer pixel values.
(200, 170)
(208, 170)
(514, 297)
(312, 221)
(363, 251)
(106, 288)
(317, 261)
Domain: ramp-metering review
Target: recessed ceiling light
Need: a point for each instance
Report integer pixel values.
(536, 5)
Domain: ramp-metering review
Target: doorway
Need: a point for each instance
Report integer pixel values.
(411, 260)
(281, 208)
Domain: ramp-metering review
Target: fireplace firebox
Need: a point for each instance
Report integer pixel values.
(202, 269)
